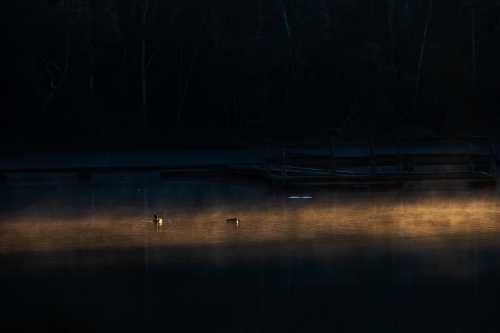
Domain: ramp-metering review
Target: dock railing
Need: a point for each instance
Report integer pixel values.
(381, 160)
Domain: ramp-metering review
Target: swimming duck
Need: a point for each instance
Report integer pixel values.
(157, 220)
(233, 220)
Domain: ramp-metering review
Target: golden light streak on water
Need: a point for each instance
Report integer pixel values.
(410, 260)
(407, 223)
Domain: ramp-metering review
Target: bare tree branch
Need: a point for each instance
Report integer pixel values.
(189, 76)
(36, 87)
(354, 108)
(150, 58)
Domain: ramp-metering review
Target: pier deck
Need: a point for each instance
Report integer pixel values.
(329, 162)
(380, 161)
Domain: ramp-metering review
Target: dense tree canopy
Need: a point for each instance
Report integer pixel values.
(148, 74)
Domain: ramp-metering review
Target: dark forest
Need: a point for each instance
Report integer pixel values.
(154, 74)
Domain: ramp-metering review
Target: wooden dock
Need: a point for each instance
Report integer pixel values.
(85, 173)
(334, 162)
(379, 161)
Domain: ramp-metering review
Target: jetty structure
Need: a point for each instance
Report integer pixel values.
(377, 161)
(284, 163)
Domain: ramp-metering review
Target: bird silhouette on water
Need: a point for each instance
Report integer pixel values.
(157, 220)
(233, 220)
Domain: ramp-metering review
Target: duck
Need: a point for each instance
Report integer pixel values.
(233, 220)
(157, 219)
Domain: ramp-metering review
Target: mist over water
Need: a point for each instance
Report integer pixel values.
(86, 256)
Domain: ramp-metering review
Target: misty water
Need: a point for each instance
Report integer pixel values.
(84, 257)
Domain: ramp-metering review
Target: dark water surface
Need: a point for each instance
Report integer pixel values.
(83, 257)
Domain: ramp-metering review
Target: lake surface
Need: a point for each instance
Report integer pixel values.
(85, 257)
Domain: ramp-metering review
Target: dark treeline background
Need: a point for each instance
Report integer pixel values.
(152, 74)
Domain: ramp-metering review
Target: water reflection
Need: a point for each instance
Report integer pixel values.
(409, 260)
(410, 223)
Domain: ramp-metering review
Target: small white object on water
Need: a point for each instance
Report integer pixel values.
(300, 197)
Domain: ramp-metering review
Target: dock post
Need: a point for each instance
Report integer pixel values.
(332, 156)
(469, 154)
(372, 154)
(493, 169)
(85, 176)
(283, 163)
(268, 168)
(400, 160)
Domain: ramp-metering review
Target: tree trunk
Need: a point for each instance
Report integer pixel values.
(473, 42)
(389, 16)
(143, 80)
(422, 47)
(91, 56)
(122, 78)
(91, 74)
(405, 11)
(285, 21)
(51, 69)
(181, 104)
(288, 33)
(413, 108)
(144, 101)
(259, 21)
